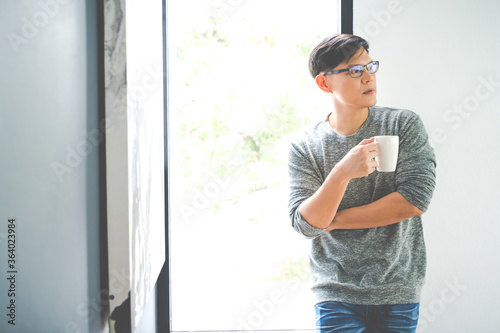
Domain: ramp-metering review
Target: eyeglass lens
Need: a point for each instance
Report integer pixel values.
(357, 70)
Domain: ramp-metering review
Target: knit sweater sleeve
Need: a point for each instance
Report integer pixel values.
(305, 179)
(415, 174)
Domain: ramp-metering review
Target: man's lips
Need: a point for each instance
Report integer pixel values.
(369, 92)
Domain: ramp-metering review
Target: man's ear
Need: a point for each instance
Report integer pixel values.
(323, 84)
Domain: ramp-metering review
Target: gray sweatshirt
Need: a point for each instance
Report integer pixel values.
(384, 265)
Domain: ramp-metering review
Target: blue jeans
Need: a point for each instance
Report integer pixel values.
(348, 318)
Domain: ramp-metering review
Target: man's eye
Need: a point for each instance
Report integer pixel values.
(356, 70)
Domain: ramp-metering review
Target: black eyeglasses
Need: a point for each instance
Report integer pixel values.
(357, 70)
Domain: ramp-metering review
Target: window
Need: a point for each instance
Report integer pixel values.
(239, 90)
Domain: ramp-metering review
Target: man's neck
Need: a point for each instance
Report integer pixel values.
(347, 122)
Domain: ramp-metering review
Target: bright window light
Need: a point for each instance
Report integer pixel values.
(239, 90)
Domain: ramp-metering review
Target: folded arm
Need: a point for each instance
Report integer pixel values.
(415, 182)
(320, 209)
(390, 209)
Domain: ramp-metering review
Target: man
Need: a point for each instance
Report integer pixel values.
(368, 255)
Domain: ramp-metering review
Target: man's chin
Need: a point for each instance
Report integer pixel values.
(367, 105)
(372, 102)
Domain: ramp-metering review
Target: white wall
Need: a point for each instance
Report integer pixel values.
(440, 59)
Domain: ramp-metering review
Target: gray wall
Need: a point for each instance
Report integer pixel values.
(440, 59)
(49, 179)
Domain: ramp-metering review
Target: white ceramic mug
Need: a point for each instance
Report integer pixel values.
(388, 149)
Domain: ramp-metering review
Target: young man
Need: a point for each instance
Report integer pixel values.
(368, 255)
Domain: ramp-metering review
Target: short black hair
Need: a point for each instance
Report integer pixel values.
(333, 50)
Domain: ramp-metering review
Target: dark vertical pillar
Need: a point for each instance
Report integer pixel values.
(346, 16)
(163, 284)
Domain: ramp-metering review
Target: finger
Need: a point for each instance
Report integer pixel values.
(366, 141)
(372, 156)
(372, 152)
(372, 167)
(371, 147)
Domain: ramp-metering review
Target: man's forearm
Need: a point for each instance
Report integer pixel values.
(390, 209)
(320, 209)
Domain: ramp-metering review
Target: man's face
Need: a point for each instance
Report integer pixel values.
(359, 92)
